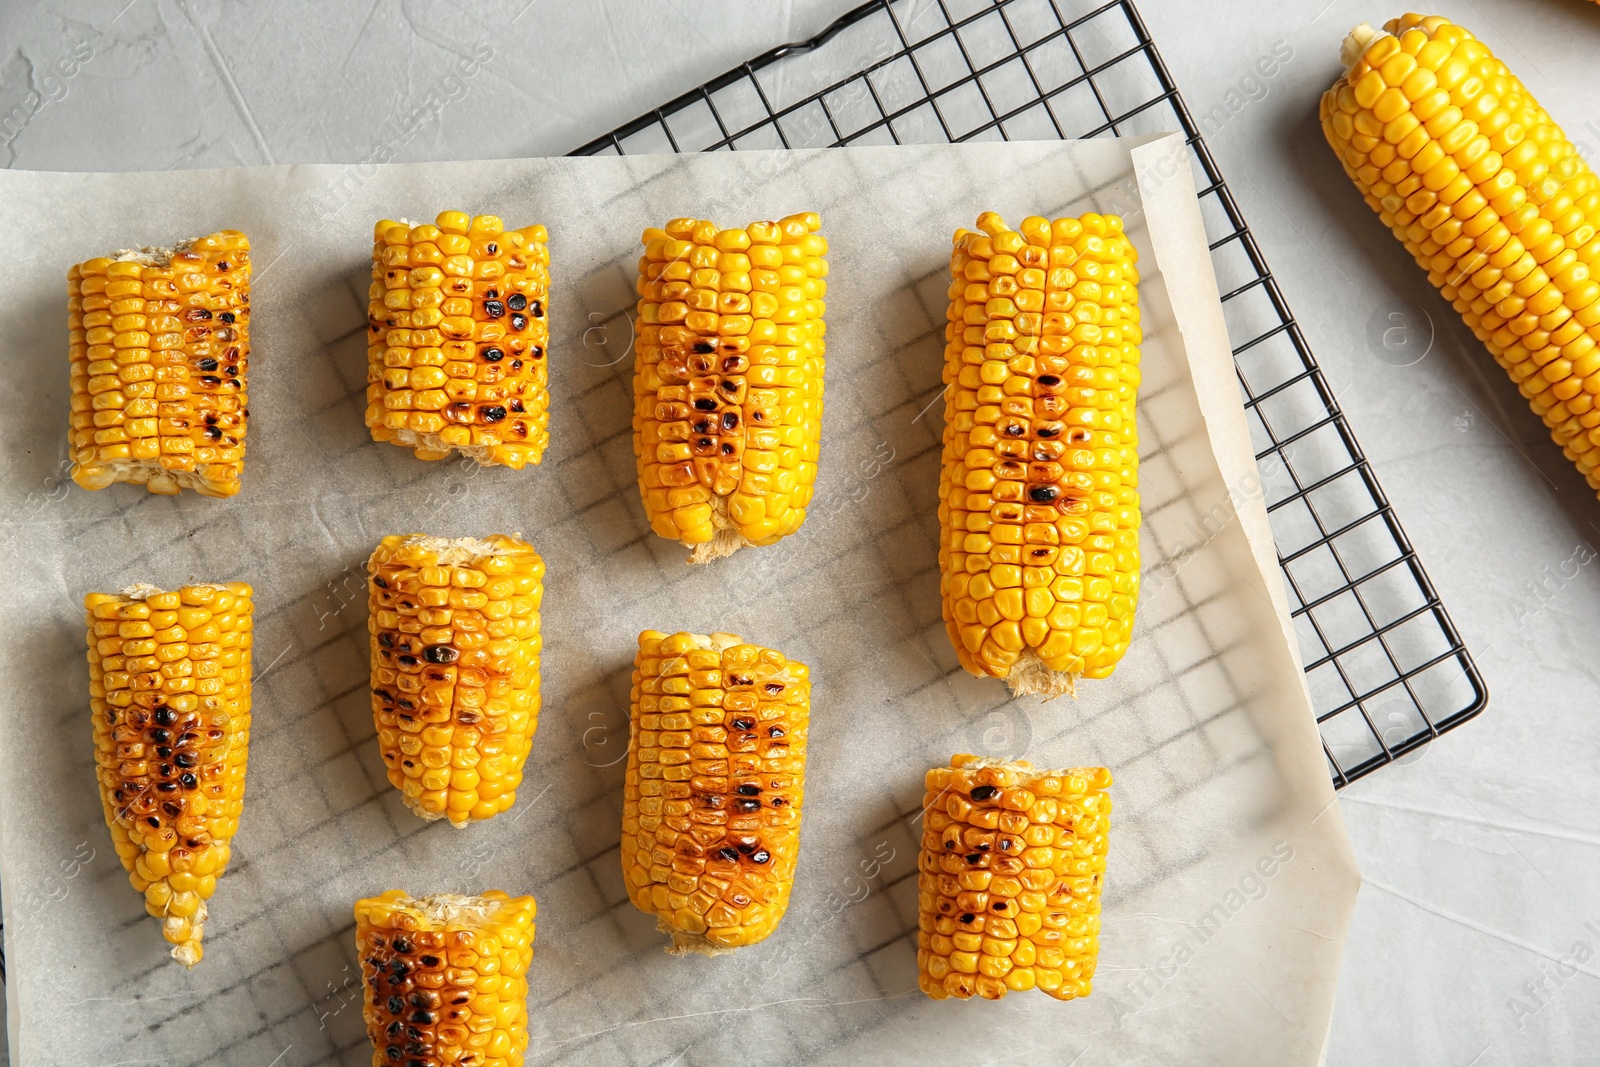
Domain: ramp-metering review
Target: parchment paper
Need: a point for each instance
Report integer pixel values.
(1230, 878)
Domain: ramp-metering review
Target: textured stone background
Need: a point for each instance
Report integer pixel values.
(1479, 854)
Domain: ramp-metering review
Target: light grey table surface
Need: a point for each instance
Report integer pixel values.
(1481, 856)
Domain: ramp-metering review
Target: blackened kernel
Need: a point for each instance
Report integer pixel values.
(704, 347)
(519, 321)
(493, 413)
(760, 856)
(165, 716)
(440, 654)
(403, 946)
(730, 420)
(1043, 494)
(537, 309)
(395, 1005)
(226, 316)
(742, 723)
(536, 352)
(745, 805)
(408, 661)
(974, 857)
(210, 379)
(1049, 379)
(207, 364)
(516, 364)
(516, 302)
(774, 731)
(967, 916)
(493, 355)
(186, 760)
(1000, 905)
(705, 403)
(213, 434)
(494, 309)
(727, 854)
(516, 405)
(748, 790)
(189, 781)
(984, 792)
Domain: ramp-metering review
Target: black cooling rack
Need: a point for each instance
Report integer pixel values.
(1385, 666)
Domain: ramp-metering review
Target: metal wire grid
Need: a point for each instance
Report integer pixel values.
(1386, 668)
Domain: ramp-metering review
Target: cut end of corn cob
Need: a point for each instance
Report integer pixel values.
(715, 781)
(1039, 499)
(1491, 198)
(169, 691)
(457, 332)
(455, 650)
(1356, 42)
(445, 977)
(728, 366)
(160, 343)
(1011, 870)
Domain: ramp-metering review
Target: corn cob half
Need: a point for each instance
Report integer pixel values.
(1490, 197)
(446, 978)
(715, 780)
(160, 344)
(728, 361)
(1011, 869)
(455, 669)
(457, 330)
(1039, 498)
(169, 689)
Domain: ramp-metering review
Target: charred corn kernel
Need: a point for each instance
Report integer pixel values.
(727, 384)
(715, 780)
(993, 914)
(445, 977)
(457, 334)
(170, 752)
(1492, 200)
(160, 343)
(455, 668)
(1039, 497)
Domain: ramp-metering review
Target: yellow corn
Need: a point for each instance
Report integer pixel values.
(715, 780)
(445, 978)
(160, 340)
(727, 385)
(455, 669)
(1011, 869)
(457, 332)
(1039, 499)
(1493, 201)
(169, 689)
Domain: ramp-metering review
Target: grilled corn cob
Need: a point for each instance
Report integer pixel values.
(1011, 868)
(1039, 499)
(715, 780)
(160, 340)
(445, 978)
(169, 689)
(456, 339)
(455, 669)
(1492, 200)
(727, 386)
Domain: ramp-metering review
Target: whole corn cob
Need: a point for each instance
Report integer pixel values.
(1492, 200)
(1011, 869)
(160, 342)
(445, 978)
(715, 780)
(1039, 498)
(457, 332)
(727, 386)
(455, 669)
(169, 689)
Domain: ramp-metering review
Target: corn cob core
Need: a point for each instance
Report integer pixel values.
(1493, 201)
(455, 669)
(727, 413)
(169, 691)
(456, 339)
(1011, 868)
(160, 342)
(445, 978)
(715, 780)
(1039, 498)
